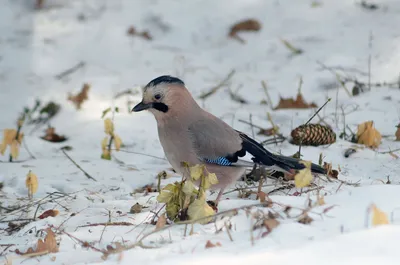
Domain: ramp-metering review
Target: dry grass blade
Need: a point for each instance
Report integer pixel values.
(217, 87)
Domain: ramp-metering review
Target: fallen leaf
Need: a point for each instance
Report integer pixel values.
(368, 135)
(270, 224)
(49, 213)
(245, 25)
(144, 34)
(9, 139)
(305, 219)
(51, 136)
(48, 245)
(81, 97)
(162, 220)
(329, 171)
(298, 103)
(31, 183)
(303, 178)
(397, 134)
(211, 245)
(378, 216)
(267, 132)
(261, 195)
(210, 179)
(136, 208)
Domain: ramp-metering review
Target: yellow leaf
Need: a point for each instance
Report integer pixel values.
(320, 200)
(165, 196)
(9, 136)
(106, 155)
(212, 178)
(304, 177)
(14, 149)
(104, 143)
(108, 126)
(378, 216)
(31, 183)
(196, 171)
(3, 148)
(117, 142)
(188, 187)
(368, 135)
(199, 209)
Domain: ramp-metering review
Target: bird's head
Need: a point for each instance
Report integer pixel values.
(164, 96)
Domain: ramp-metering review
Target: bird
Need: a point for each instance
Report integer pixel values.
(190, 134)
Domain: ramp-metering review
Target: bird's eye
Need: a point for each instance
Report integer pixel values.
(157, 96)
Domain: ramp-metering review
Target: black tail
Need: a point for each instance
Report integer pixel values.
(263, 156)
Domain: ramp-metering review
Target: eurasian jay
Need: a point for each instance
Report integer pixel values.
(190, 134)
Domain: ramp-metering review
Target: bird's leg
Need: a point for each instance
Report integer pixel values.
(219, 196)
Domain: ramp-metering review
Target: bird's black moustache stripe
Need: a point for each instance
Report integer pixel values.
(160, 107)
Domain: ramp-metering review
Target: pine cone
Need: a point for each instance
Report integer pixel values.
(313, 134)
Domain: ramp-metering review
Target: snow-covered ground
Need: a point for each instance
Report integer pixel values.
(190, 41)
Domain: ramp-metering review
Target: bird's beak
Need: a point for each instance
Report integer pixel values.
(142, 106)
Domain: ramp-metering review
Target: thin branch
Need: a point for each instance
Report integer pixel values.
(81, 169)
(215, 88)
(70, 70)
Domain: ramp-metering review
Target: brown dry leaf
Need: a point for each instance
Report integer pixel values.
(267, 132)
(262, 196)
(245, 25)
(9, 139)
(51, 136)
(81, 97)
(397, 134)
(305, 219)
(39, 4)
(162, 220)
(48, 245)
(329, 171)
(31, 183)
(393, 155)
(212, 245)
(136, 208)
(49, 213)
(368, 135)
(144, 34)
(298, 103)
(378, 216)
(270, 224)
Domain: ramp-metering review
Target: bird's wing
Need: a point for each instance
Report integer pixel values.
(216, 142)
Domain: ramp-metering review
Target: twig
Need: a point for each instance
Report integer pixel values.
(27, 149)
(264, 85)
(107, 224)
(369, 59)
(312, 117)
(81, 169)
(236, 97)
(83, 244)
(301, 139)
(70, 70)
(251, 124)
(390, 151)
(138, 153)
(215, 88)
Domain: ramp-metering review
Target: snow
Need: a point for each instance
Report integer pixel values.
(37, 45)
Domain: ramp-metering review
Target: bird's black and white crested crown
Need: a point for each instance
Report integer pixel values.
(166, 79)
